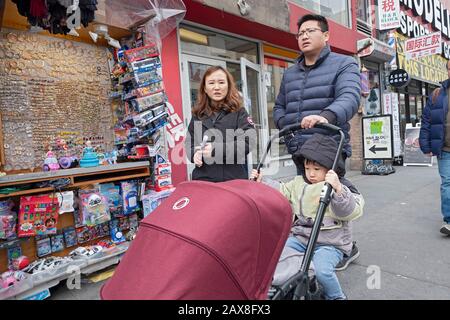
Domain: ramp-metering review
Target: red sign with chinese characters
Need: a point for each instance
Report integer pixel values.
(423, 46)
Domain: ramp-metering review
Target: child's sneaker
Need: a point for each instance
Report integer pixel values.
(343, 264)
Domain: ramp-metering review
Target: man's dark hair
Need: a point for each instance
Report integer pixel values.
(323, 23)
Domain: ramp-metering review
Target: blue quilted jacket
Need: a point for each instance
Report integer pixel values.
(331, 88)
(432, 130)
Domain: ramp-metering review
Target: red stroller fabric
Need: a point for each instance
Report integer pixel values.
(207, 241)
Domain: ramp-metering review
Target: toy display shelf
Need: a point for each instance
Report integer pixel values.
(35, 284)
(79, 177)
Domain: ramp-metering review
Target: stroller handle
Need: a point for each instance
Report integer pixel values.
(297, 127)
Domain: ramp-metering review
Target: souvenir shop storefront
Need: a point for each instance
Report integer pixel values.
(84, 139)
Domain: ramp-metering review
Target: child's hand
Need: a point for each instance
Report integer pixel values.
(257, 175)
(333, 179)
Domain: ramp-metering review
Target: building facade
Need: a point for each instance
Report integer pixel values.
(256, 44)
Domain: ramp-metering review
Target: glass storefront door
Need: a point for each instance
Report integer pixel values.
(251, 92)
(193, 68)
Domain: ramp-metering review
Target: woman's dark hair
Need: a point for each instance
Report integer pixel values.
(231, 103)
(323, 23)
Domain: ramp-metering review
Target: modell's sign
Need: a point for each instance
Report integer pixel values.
(423, 46)
(420, 17)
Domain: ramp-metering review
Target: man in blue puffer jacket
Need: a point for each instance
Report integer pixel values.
(322, 87)
(434, 140)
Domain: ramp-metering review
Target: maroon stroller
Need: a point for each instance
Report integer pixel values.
(206, 241)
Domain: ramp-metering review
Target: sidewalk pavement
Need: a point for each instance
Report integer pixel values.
(397, 236)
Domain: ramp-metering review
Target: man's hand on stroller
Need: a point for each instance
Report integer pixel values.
(256, 175)
(333, 179)
(310, 121)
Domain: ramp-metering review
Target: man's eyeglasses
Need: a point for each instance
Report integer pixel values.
(307, 32)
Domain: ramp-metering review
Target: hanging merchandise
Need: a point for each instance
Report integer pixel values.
(94, 207)
(112, 193)
(129, 197)
(56, 16)
(66, 201)
(57, 242)
(43, 245)
(70, 237)
(38, 215)
(7, 220)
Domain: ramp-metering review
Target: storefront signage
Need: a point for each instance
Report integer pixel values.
(423, 46)
(413, 155)
(377, 137)
(430, 68)
(388, 14)
(423, 17)
(390, 106)
(399, 78)
(431, 11)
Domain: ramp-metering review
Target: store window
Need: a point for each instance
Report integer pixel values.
(372, 99)
(363, 12)
(212, 44)
(337, 10)
(276, 61)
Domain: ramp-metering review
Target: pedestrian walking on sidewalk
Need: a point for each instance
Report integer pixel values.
(322, 86)
(221, 132)
(434, 140)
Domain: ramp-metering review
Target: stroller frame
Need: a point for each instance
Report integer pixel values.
(299, 286)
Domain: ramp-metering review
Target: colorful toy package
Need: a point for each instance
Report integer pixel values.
(57, 242)
(133, 220)
(70, 236)
(129, 197)
(65, 200)
(14, 252)
(43, 246)
(112, 193)
(38, 215)
(117, 235)
(83, 234)
(153, 199)
(94, 208)
(7, 227)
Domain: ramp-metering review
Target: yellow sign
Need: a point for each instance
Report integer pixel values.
(430, 68)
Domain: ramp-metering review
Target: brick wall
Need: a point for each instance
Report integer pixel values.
(50, 85)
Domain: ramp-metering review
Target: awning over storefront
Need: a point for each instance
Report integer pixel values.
(431, 69)
(375, 50)
(129, 14)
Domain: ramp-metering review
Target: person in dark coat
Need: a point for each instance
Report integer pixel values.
(434, 140)
(221, 133)
(322, 86)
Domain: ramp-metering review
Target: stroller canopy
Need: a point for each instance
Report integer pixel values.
(206, 241)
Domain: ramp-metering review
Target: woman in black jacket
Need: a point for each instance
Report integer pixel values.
(221, 132)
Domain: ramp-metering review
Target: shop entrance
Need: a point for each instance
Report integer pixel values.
(248, 79)
(193, 68)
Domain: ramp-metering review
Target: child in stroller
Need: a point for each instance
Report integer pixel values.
(303, 192)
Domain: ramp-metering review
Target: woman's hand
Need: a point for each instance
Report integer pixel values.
(198, 158)
(256, 175)
(207, 150)
(333, 179)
